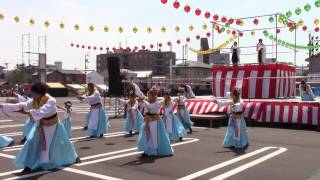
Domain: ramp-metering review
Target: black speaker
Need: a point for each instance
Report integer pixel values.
(115, 85)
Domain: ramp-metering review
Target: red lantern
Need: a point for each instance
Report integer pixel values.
(278, 31)
(178, 41)
(223, 19)
(240, 34)
(198, 37)
(77, 45)
(188, 39)
(316, 29)
(151, 46)
(256, 21)
(72, 44)
(83, 46)
(143, 47)
(101, 48)
(164, 1)
(219, 31)
(304, 28)
(114, 49)
(94, 48)
(107, 48)
(197, 12)
(187, 8)
(208, 34)
(169, 43)
(238, 22)
(216, 17)
(289, 24)
(231, 21)
(176, 4)
(128, 49)
(234, 32)
(160, 44)
(207, 15)
(89, 47)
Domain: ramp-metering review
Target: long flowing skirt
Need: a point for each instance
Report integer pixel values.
(230, 140)
(306, 97)
(175, 128)
(61, 152)
(101, 120)
(135, 124)
(185, 119)
(27, 127)
(157, 142)
(67, 126)
(5, 141)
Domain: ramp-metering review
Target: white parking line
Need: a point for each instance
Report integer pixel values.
(224, 164)
(250, 164)
(7, 156)
(10, 172)
(90, 174)
(27, 175)
(5, 120)
(131, 154)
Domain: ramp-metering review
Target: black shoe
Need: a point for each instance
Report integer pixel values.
(180, 139)
(190, 129)
(23, 141)
(92, 137)
(26, 170)
(144, 155)
(85, 128)
(101, 135)
(11, 143)
(78, 160)
(130, 132)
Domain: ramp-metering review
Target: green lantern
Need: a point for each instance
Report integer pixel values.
(271, 19)
(227, 24)
(317, 3)
(282, 17)
(289, 14)
(223, 29)
(307, 7)
(298, 11)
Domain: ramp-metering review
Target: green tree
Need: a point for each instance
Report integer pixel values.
(19, 75)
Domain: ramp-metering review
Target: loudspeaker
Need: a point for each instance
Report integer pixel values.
(115, 85)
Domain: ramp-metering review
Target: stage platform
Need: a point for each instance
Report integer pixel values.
(291, 111)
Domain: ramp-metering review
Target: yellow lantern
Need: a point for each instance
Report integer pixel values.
(17, 19)
(91, 28)
(253, 33)
(235, 36)
(242, 23)
(1, 16)
(32, 22)
(61, 25)
(106, 29)
(177, 28)
(135, 29)
(205, 26)
(300, 22)
(76, 27)
(163, 29)
(316, 22)
(228, 31)
(46, 24)
(149, 29)
(191, 28)
(120, 29)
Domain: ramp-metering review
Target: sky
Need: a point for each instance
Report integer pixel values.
(135, 13)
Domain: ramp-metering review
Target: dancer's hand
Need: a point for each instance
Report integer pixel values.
(22, 111)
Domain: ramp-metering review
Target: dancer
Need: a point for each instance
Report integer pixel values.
(134, 118)
(153, 139)
(306, 93)
(97, 119)
(235, 54)
(5, 141)
(173, 125)
(47, 145)
(188, 92)
(182, 113)
(237, 133)
(261, 49)
(67, 117)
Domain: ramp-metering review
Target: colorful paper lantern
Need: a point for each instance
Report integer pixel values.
(316, 22)
(1, 16)
(304, 28)
(188, 39)
(216, 17)
(256, 21)
(228, 31)
(143, 47)
(169, 43)
(298, 11)
(160, 44)
(271, 19)
(149, 29)
(176, 4)
(197, 12)
(178, 41)
(205, 26)
(32, 22)
(231, 21)
(164, 1)
(208, 34)
(135, 30)
(198, 37)
(91, 28)
(307, 7)
(316, 29)
(240, 34)
(223, 19)
(83, 46)
(207, 15)
(163, 29)
(120, 29)
(89, 47)
(76, 27)
(238, 22)
(61, 25)
(101, 48)
(46, 24)
(177, 28)
(17, 19)
(191, 28)
(289, 14)
(77, 45)
(71, 44)
(300, 22)
(278, 31)
(187, 8)
(253, 33)
(317, 3)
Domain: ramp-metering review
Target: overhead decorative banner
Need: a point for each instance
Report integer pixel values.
(211, 51)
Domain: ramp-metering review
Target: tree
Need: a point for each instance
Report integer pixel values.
(19, 75)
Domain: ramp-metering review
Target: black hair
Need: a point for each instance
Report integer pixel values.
(68, 102)
(90, 84)
(39, 88)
